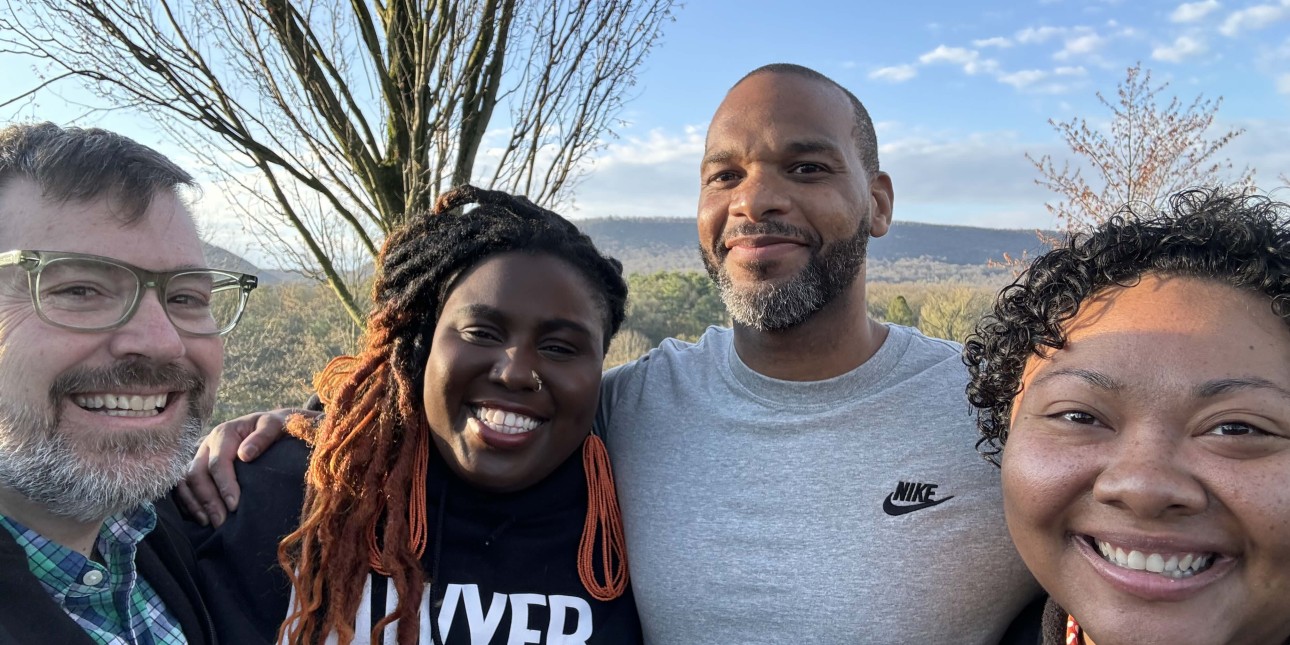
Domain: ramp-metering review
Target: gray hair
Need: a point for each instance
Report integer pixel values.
(83, 164)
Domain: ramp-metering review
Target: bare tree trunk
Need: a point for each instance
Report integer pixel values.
(344, 116)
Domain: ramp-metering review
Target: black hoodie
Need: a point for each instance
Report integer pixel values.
(506, 563)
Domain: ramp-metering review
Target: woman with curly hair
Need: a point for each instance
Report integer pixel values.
(453, 492)
(1134, 387)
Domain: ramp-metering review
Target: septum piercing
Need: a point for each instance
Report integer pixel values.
(539, 381)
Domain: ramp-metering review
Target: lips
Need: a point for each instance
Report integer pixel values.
(122, 404)
(761, 241)
(503, 429)
(762, 248)
(1176, 565)
(1155, 570)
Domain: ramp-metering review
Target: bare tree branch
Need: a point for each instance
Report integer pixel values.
(354, 113)
(1151, 151)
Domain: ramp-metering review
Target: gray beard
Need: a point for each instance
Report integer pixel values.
(771, 306)
(92, 478)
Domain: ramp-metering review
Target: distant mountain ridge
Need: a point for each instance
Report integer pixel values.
(909, 252)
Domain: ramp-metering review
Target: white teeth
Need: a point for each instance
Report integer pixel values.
(506, 422)
(1137, 561)
(1155, 563)
(1173, 566)
(125, 404)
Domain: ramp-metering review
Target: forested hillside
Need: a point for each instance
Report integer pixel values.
(934, 277)
(911, 251)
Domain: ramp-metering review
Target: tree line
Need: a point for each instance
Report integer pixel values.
(291, 330)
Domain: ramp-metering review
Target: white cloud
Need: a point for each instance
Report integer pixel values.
(972, 179)
(1035, 35)
(942, 176)
(970, 60)
(1283, 84)
(1024, 78)
(997, 41)
(1253, 18)
(655, 175)
(1081, 45)
(1182, 48)
(1038, 81)
(1193, 11)
(894, 74)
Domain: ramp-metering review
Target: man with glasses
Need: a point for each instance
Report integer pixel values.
(110, 356)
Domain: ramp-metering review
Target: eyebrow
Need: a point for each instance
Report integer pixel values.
(1096, 379)
(802, 147)
(809, 146)
(1206, 390)
(553, 324)
(1224, 386)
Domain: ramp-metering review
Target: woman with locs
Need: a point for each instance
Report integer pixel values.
(453, 491)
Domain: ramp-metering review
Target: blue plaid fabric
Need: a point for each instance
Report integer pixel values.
(109, 601)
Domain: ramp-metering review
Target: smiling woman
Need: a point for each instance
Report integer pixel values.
(454, 493)
(1136, 384)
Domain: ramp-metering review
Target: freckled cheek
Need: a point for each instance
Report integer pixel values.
(1041, 482)
(1260, 501)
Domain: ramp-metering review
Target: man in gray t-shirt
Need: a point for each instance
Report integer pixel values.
(807, 476)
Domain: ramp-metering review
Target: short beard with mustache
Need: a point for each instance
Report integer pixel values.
(770, 306)
(39, 460)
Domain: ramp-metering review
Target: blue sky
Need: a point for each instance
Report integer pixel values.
(959, 92)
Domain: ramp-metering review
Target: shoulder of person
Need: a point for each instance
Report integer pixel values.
(673, 350)
(925, 354)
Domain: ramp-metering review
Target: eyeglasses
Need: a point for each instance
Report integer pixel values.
(91, 293)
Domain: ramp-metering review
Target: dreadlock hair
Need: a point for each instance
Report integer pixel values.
(1242, 241)
(368, 469)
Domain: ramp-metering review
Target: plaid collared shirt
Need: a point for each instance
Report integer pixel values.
(111, 603)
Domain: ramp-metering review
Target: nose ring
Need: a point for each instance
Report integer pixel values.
(538, 380)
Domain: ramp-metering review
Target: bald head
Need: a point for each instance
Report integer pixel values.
(865, 138)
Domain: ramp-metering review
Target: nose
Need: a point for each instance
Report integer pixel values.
(149, 333)
(516, 369)
(758, 196)
(1148, 476)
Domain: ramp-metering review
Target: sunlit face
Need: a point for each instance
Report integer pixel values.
(786, 206)
(1147, 473)
(508, 318)
(66, 443)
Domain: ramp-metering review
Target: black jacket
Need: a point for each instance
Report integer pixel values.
(504, 561)
(1042, 622)
(29, 616)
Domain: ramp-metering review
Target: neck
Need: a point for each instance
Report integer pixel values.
(71, 533)
(833, 341)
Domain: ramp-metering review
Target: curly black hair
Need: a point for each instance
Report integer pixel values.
(1213, 234)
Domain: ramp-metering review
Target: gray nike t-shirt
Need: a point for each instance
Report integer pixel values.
(850, 510)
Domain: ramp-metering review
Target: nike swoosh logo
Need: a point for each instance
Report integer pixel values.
(892, 509)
